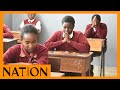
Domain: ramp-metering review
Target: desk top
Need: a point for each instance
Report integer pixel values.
(69, 54)
(15, 32)
(97, 39)
(19, 63)
(9, 39)
(96, 44)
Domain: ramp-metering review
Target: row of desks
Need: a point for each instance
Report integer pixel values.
(63, 61)
(95, 44)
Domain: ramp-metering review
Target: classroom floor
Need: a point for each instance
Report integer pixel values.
(109, 71)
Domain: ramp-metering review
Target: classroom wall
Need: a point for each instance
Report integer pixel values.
(8, 20)
(52, 23)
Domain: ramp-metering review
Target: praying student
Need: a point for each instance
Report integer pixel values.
(68, 39)
(97, 29)
(7, 32)
(29, 51)
(31, 20)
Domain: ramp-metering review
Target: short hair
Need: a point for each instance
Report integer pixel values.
(69, 19)
(28, 28)
(97, 16)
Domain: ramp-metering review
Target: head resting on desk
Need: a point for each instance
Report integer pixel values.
(29, 37)
(68, 24)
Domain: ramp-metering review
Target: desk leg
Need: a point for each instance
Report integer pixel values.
(102, 68)
(83, 74)
(103, 64)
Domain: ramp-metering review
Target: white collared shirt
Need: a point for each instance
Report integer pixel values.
(94, 29)
(71, 35)
(38, 24)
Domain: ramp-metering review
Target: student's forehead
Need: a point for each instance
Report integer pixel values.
(67, 24)
(29, 35)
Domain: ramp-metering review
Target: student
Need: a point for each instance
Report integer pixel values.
(68, 39)
(29, 51)
(97, 30)
(32, 20)
(7, 32)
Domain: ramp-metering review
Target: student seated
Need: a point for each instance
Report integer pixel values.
(97, 30)
(7, 32)
(31, 20)
(29, 51)
(68, 39)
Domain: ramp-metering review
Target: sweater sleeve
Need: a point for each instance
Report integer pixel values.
(7, 32)
(101, 31)
(43, 57)
(10, 55)
(52, 42)
(82, 44)
(88, 31)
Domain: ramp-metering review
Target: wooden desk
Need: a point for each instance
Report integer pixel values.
(7, 42)
(70, 61)
(97, 45)
(16, 34)
(19, 63)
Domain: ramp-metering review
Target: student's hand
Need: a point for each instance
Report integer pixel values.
(64, 40)
(66, 37)
(94, 22)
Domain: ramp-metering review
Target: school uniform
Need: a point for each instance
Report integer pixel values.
(78, 42)
(34, 22)
(97, 32)
(7, 32)
(17, 53)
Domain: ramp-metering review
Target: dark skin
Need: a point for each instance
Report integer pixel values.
(31, 16)
(67, 29)
(95, 22)
(29, 42)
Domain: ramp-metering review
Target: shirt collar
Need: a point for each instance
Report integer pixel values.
(71, 35)
(23, 53)
(31, 20)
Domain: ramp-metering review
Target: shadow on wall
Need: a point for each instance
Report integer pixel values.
(43, 36)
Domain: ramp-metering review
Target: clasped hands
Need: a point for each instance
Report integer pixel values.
(66, 38)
